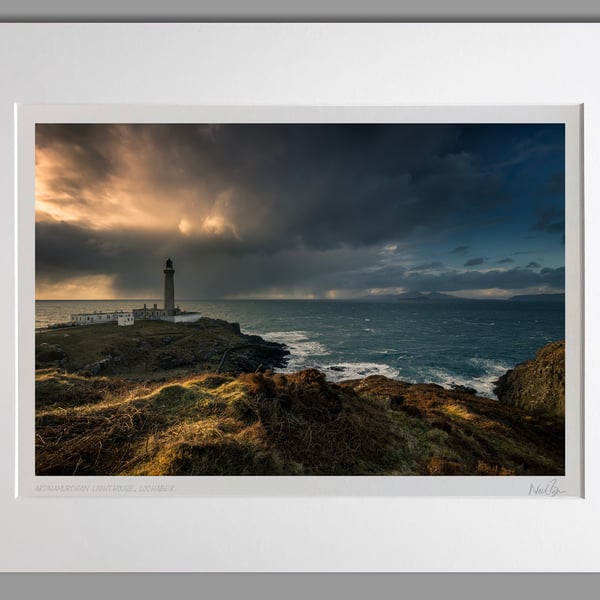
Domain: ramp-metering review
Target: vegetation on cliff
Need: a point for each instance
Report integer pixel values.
(274, 424)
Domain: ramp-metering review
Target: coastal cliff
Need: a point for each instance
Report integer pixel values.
(110, 402)
(156, 349)
(537, 385)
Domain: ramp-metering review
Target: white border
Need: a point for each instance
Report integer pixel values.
(317, 65)
(30, 485)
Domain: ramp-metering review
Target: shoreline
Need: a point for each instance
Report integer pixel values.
(334, 371)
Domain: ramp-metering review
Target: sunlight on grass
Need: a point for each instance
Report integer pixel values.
(458, 411)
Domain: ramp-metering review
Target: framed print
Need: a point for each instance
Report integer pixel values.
(393, 321)
(300, 296)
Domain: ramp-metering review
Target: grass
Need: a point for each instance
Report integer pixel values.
(88, 344)
(147, 349)
(274, 424)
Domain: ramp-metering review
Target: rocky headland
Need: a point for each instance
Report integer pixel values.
(157, 349)
(202, 399)
(537, 385)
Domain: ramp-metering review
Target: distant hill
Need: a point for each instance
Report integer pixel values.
(410, 296)
(441, 297)
(430, 297)
(427, 298)
(537, 298)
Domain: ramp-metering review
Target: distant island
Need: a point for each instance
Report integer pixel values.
(429, 297)
(435, 297)
(537, 298)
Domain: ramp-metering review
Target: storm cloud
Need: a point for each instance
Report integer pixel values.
(282, 210)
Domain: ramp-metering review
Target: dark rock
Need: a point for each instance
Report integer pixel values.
(537, 385)
(247, 358)
(98, 367)
(463, 388)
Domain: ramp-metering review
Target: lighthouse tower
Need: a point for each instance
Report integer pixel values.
(169, 272)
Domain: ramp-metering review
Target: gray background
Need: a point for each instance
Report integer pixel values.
(294, 586)
(294, 10)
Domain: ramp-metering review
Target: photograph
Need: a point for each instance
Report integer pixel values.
(300, 299)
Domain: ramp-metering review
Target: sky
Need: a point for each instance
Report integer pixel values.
(299, 210)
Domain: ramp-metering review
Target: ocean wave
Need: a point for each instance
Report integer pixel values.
(490, 366)
(301, 347)
(307, 353)
(386, 351)
(483, 383)
(357, 370)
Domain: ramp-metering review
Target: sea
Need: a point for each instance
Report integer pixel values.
(448, 343)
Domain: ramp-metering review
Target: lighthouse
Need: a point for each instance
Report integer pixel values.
(167, 313)
(169, 272)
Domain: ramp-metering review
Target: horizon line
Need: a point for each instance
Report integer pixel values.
(357, 298)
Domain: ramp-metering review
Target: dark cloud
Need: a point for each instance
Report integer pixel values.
(533, 265)
(136, 263)
(459, 250)
(427, 266)
(512, 279)
(286, 186)
(506, 260)
(474, 262)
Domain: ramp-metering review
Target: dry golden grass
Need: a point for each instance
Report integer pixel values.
(273, 424)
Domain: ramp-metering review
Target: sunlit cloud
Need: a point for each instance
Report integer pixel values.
(185, 226)
(216, 225)
(138, 191)
(90, 287)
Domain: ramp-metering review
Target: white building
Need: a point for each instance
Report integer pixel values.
(125, 319)
(169, 312)
(96, 317)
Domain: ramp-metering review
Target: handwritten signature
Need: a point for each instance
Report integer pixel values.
(548, 489)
